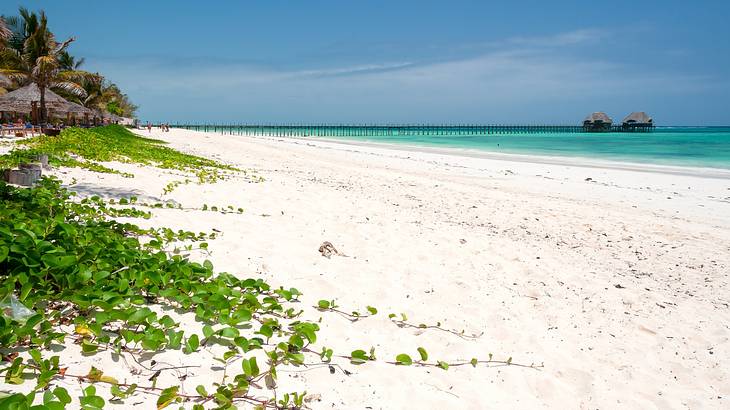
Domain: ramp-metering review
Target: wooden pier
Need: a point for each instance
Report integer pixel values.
(398, 130)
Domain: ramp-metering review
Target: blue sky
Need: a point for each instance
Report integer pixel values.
(406, 61)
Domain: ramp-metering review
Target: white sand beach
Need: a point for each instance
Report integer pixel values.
(616, 280)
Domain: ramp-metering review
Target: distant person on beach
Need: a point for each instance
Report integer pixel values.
(149, 126)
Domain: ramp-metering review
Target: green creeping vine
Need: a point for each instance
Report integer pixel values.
(54, 255)
(87, 148)
(354, 316)
(114, 143)
(99, 283)
(133, 200)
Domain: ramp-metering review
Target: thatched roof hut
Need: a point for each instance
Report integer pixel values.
(74, 108)
(597, 118)
(22, 99)
(107, 116)
(597, 122)
(638, 119)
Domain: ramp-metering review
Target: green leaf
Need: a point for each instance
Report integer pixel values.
(358, 357)
(167, 396)
(326, 355)
(296, 341)
(474, 362)
(372, 310)
(47, 397)
(94, 374)
(201, 390)
(123, 394)
(443, 365)
(62, 395)
(297, 358)
(404, 359)
(88, 347)
(174, 339)
(309, 333)
(139, 315)
(267, 331)
(25, 291)
(33, 320)
(116, 391)
(423, 353)
(92, 401)
(229, 332)
(36, 356)
(166, 321)
(192, 343)
(323, 304)
(250, 367)
(208, 331)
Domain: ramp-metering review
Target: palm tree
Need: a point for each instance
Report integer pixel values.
(21, 27)
(38, 59)
(68, 62)
(5, 35)
(106, 96)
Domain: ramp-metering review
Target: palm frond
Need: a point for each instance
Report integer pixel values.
(5, 32)
(45, 67)
(61, 47)
(79, 76)
(11, 57)
(18, 77)
(69, 87)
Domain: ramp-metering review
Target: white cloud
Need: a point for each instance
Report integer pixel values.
(562, 39)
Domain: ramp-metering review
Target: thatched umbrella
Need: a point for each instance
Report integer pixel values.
(25, 100)
(71, 108)
(103, 115)
(638, 118)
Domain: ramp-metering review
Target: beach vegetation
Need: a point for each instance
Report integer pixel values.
(72, 273)
(89, 148)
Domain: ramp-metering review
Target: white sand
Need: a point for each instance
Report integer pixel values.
(617, 284)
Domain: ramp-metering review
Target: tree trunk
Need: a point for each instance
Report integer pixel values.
(43, 104)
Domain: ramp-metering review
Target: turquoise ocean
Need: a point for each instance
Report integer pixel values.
(679, 146)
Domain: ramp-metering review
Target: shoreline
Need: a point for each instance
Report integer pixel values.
(575, 161)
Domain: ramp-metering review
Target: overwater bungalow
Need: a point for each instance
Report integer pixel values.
(637, 119)
(597, 122)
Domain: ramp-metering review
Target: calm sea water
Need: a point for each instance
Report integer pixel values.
(683, 146)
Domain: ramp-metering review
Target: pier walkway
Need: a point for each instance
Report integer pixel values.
(397, 130)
